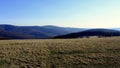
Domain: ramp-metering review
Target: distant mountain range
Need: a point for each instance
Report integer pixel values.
(49, 31)
(116, 29)
(34, 32)
(92, 32)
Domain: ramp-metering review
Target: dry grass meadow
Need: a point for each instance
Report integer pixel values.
(61, 53)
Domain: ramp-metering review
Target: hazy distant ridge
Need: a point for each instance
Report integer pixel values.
(34, 32)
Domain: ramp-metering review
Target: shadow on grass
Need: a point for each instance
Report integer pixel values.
(70, 52)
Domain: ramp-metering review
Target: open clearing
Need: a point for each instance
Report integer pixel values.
(61, 53)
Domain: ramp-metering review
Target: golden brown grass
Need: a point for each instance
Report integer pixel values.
(61, 53)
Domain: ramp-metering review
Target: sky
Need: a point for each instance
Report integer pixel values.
(66, 13)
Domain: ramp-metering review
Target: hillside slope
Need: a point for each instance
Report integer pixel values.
(30, 32)
(91, 32)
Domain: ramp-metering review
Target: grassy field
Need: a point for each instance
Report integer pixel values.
(61, 53)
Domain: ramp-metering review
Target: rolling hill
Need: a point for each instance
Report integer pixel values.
(91, 32)
(34, 32)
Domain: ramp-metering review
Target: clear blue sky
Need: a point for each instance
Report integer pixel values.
(69, 13)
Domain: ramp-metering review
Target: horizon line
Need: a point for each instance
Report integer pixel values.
(60, 26)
